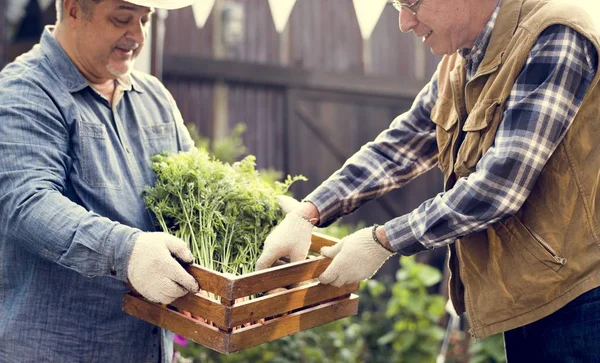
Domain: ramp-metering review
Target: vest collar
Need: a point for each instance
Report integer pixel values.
(505, 27)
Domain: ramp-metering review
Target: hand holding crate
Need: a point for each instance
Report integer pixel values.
(271, 316)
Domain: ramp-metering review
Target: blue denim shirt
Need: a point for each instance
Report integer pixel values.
(72, 171)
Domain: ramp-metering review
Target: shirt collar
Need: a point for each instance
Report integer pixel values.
(66, 69)
(475, 54)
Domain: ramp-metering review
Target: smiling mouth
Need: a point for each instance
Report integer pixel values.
(424, 37)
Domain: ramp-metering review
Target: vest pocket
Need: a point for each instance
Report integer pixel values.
(534, 243)
(480, 130)
(445, 118)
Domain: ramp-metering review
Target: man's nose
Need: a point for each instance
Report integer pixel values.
(138, 32)
(406, 21)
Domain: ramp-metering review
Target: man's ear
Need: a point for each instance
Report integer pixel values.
(73, 11)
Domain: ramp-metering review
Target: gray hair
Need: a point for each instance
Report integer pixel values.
(87, 7)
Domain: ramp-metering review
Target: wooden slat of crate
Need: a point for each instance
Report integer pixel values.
(223, 342)
(205, 307)
(279, 276)
(293, 323)
(178, 323)
(283, 302)
(232, 287)
(216, 282)
(227, 317)
(320, 240)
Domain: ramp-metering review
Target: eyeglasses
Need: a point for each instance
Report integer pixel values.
(411, 8)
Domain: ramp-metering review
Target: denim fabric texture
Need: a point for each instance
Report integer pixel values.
(72, 173)
(570, 335)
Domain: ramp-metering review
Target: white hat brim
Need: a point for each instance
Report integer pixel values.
(162, 4)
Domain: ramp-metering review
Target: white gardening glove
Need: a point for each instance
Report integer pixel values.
(153, 270)
(355, 258)
(287, 204)
(290, 238)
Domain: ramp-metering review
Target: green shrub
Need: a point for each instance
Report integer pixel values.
(228, 150)
(489, 350)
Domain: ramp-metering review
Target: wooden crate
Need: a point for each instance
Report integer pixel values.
(240, 325)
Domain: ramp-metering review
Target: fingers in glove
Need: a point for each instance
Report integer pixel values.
(266, 260)
(171, 292)
(298, 255)
(332, 251)
(339, 282)
(287, 204)
(329, 275)
(183, 278)
(178, 248)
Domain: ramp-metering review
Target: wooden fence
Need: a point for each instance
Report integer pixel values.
(310, 96)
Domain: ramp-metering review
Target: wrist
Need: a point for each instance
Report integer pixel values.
(298, 223)
(125, 239)
(308, 211)
(381, 238)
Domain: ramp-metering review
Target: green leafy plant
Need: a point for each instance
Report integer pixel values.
(231, 149)
(223, 211)
(228, 150)
(407, 330)
(488, 350)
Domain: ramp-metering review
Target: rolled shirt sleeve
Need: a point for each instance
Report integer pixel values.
(399, 154)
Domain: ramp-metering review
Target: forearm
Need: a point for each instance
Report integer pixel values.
(398, 155)
(51, 226)
(308, 211)
(36, 142)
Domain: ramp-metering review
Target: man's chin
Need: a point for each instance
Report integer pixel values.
(120, 70)
(438, 52)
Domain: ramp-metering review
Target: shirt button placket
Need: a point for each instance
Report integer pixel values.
(155, 352)
(121, 131)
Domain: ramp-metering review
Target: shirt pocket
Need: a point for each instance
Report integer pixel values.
(99, 162)
(445, 118)
(160, 138)
(479, 134)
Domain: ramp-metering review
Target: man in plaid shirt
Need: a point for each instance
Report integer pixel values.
(510, 117)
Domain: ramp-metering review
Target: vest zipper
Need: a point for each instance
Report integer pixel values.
(555, 256)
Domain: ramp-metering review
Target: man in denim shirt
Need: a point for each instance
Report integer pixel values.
(77, 130)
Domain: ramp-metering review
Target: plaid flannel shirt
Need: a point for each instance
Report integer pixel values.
(539, 110)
